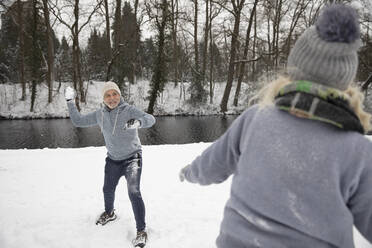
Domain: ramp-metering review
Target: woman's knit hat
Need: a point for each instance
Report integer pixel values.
(110, 86)
(327, 52)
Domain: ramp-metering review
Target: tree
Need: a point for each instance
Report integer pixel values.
(13, 40)
(97, 55)
(205, 44)
(148, 55)
(22, 44)
(136, 42)
(365, 65)
(75, 30)
(4, 67)
(64, 62)
(198, 93)
(116, 35)
(174, 26)
(35, 60)
(26, 40)
(237, 9)
(50, 51)
(245, 55)
(108, 28)
(7, 54)
(298, 11)
(126, 37)
(160, 19)
(21, 54)
(214, 55)
(365, 56)
(131, 37)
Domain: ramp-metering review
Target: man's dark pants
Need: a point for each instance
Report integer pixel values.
(131, 168)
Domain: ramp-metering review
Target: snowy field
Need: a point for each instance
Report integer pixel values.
(51, 198)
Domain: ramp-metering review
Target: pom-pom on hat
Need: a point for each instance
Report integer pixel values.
(327, 52)
(110, 86)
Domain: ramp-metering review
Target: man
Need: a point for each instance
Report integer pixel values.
(119, 122)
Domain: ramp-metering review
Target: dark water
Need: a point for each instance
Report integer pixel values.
(52, 133)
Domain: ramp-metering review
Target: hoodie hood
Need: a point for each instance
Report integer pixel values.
(121, 106)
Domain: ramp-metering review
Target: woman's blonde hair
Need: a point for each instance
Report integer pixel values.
(266, 95)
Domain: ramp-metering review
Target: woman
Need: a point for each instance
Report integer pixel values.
(301, 166)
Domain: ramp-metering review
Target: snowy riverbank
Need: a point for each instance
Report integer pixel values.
(173, 100)
(50, 198)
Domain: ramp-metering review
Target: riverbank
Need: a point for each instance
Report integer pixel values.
(174, 101)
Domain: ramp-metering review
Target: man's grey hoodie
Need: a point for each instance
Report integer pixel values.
(121, 143)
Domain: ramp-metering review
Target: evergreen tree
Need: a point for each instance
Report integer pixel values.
(35, 43)
(158, 79)
(8, 49)
(147, 57)
(218, 68)
(126, 38)
(64, 62)
(365, 59)
(183, 64)
(4, 75)
(93, 59)
(4, 65)
(10, 52)
(105, 51)
(131, 37)
(97, 55)
(34, 58)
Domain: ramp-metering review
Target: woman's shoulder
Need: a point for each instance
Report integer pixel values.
(355, 145)
(363, 140)
(260, 112)
(252, 110)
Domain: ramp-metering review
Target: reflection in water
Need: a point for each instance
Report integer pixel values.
(52, 133)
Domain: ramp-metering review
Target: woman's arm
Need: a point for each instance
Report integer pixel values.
(220, 159)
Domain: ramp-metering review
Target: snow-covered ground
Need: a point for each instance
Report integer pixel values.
(170, 102)
(51, 197)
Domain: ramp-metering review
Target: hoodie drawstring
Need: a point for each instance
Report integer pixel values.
(116, 118)
(102, 120)
(117, 114)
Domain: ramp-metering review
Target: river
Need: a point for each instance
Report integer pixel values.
(53, 133)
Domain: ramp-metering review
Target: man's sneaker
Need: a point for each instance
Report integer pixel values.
(140, 240)
(105, 217)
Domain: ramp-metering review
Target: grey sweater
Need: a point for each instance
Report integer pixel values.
(121, 143)
(296, 182)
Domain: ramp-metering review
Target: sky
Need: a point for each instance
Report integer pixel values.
(50, 198)
(365, 6)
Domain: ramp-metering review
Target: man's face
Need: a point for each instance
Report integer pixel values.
(111, 99)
